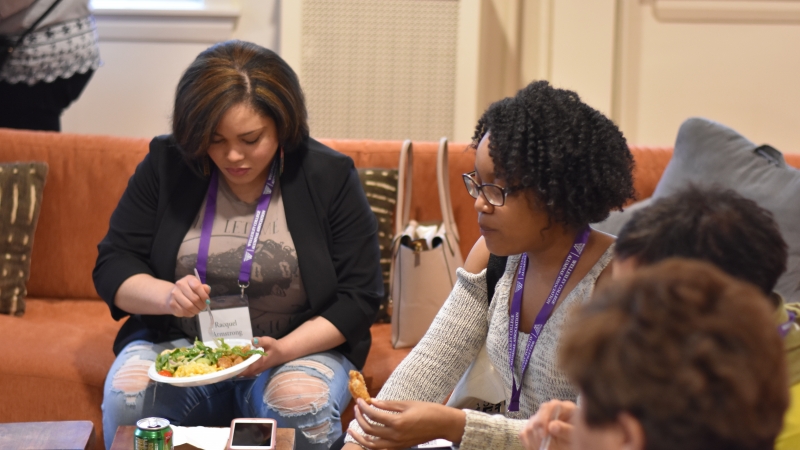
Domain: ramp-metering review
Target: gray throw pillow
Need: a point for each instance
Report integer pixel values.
(710, 154)
(21, 185)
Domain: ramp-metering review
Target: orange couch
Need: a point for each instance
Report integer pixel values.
(56, 356)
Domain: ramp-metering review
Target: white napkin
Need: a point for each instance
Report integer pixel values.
(436, 443)
(427, 232)
(206, 438)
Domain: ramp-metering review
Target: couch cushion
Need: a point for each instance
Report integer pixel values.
(21, 185)
(649, 164)
(381, 362)
(380, 187)
(87, 176)
(382, 358)
(62, 340)
(55, 362)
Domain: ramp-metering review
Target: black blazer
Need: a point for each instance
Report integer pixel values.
(332, 226)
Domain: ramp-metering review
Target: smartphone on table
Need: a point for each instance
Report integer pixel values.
(253, 434)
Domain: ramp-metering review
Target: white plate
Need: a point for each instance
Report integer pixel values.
(209, 378)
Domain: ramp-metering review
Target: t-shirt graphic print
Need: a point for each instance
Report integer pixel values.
(276, 293)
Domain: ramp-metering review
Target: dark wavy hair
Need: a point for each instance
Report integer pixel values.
(229, 73)
(711, 224)
(688, 351)
(571, 156)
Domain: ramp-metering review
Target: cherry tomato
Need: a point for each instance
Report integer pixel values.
(165, 373)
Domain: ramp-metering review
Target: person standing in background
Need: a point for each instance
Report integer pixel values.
(49, 69)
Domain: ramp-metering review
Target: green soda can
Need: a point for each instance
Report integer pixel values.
(152, 433)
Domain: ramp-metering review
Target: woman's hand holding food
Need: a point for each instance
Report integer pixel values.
(403, 424)
(554, 419)
(188, 297)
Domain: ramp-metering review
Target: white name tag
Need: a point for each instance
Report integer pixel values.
(228, 323)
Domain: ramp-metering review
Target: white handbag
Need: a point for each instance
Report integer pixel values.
(424, 258)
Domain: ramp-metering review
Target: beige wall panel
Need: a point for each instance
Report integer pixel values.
(535, 36)
(380, 69)
(499, 74)
(744, 75)
(291, 34)
(467, 107)
(488, 58)
(259, 22)
(582, 49)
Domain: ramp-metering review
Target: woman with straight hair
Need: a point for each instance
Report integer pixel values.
(240, 195)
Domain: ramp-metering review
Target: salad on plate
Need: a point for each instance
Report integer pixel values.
(201, 359)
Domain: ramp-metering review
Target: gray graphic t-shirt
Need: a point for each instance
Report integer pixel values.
(276, 292)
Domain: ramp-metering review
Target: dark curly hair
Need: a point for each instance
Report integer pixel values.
(685, 349)
(712, 224)
(570, 155)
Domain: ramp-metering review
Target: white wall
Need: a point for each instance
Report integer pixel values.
(144, 54)
(743, 73)
(648, 64)
(582, 49)
(132, 93)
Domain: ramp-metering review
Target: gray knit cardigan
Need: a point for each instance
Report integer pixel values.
(460, 329)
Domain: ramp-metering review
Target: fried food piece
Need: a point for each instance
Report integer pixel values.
(358, 387)
(224, 362)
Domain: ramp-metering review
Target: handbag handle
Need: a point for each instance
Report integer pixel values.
(405, 176)
(443, 180)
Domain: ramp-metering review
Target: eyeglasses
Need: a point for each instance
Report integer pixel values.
(494, 194)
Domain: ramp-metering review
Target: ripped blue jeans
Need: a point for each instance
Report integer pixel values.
(306, 394)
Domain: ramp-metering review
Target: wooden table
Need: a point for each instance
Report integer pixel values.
(70, 435)
(123, 439)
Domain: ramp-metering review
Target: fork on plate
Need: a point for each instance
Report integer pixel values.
(217, 342)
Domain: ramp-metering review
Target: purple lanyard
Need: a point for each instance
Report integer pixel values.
(784, 328)
(255, 228)
(516, 306)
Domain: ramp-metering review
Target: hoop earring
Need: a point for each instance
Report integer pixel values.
(280, 172)
(206, 166)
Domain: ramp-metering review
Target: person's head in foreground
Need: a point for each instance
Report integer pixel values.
(679, 356)
(719, 226)
(546, 162)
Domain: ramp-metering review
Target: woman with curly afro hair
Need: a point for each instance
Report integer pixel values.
(546, 166)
